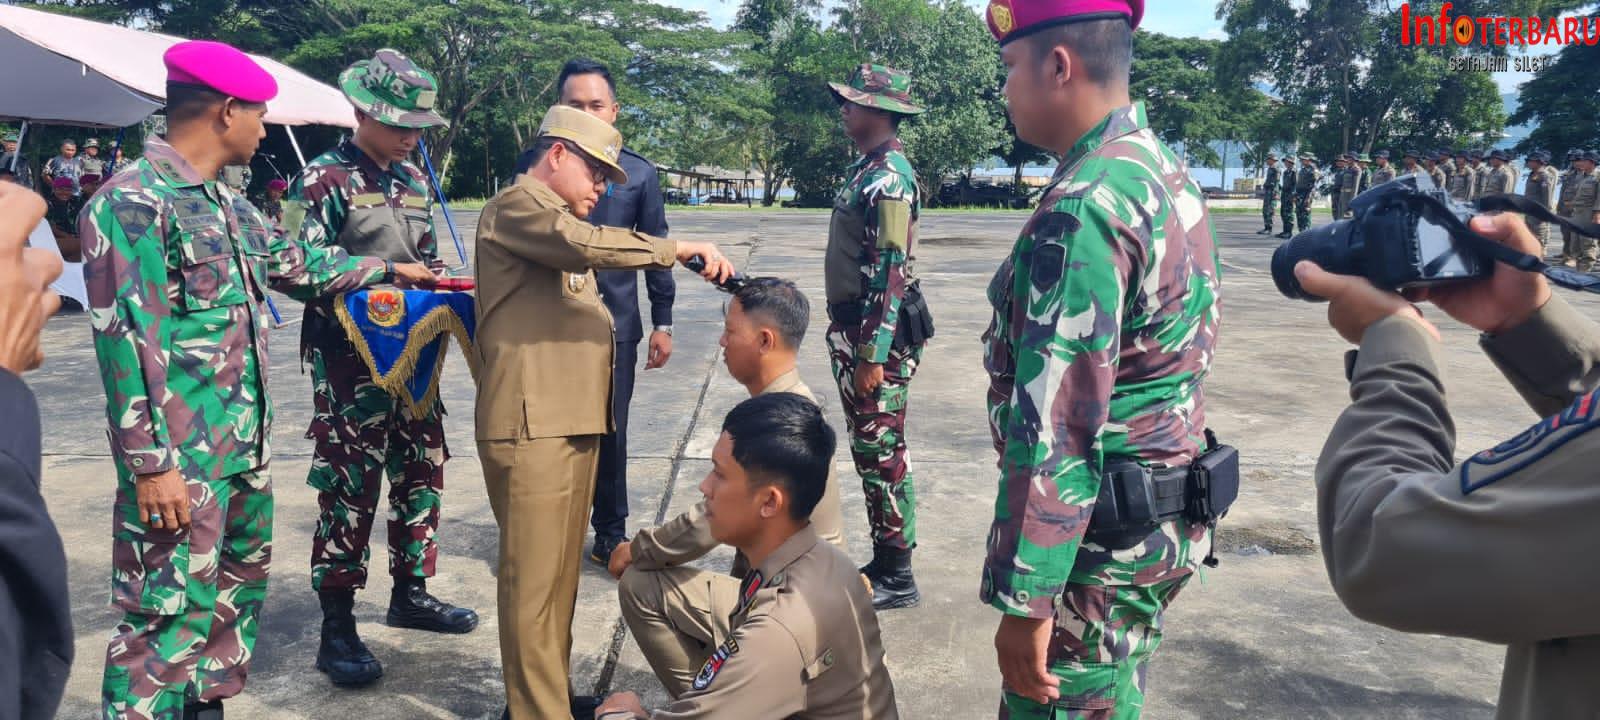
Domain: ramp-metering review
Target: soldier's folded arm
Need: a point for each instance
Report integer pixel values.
(125, 271)
(681, 540)
(1050, 470)
(555, 238)
(1494, 548)
(888, 210)
(765, 678)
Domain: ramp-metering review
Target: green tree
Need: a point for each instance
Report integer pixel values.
(1563, 100)
(955, 75)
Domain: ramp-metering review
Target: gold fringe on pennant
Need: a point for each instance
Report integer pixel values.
(438, 321)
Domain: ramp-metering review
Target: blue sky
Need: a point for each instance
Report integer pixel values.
(1180, 18)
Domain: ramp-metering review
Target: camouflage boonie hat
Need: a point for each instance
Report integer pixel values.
(391, 89)
(878, 86)
(91, 143)
(1363, 158)
(1307, 156)
(9, 137)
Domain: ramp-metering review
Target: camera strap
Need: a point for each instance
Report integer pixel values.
(1566, 277)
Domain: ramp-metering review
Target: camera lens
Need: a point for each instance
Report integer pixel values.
(1329, 246)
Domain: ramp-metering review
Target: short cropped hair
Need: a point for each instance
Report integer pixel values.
(1104, 48)
(187, 102)
(541, 146)
(778, 304)
(584, 66)
(781, 439)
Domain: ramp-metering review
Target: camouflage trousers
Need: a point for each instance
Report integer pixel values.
(1103, 639)
(1269, 203)
(877, 425)
(361, 432)
(190, 598)
(1302, 212)
(1286, 212)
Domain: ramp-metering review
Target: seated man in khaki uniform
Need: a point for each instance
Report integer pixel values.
(797, 638)
(764, 325)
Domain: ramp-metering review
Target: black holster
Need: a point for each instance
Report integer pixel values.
(913, 325)
(1135, 500)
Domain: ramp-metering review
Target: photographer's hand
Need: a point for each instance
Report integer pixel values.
(1354, 303)
(1503, 300)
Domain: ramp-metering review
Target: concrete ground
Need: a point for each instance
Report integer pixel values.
(1262, 636)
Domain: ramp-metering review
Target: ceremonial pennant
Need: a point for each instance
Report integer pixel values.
(402, 334)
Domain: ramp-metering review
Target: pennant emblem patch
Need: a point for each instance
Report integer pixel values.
(708, 672)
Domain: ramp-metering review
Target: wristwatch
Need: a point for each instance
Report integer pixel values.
(664, 329)
(388, 271)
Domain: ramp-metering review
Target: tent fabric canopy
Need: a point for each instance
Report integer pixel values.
(68, 70)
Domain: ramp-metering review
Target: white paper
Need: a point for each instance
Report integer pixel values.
(70, 284)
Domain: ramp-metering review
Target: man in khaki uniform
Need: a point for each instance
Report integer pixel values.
(544, 344)
(1501, 179)
(1571, 177)
(1541, 188)
(1584, 206)
(1499, 548)
(765, 324)
(798, 637)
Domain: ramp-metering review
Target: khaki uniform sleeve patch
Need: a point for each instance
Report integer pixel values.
(294, 215)
(894, 224)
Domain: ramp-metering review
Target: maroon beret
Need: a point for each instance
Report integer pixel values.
(222, 68)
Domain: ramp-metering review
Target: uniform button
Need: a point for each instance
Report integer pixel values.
(137, 462)
(1022, 596)
(777, 579)
(827, 659)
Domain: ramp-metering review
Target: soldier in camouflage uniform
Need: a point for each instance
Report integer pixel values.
(1336, 187)
(177, 268)
(1349, 183)
(365, 197)
(271, 204)
(1104, 326)
(1286, 209)
(1304, 185)
(1541, 188)
(1364, 180)
(90, 161)
(1269, 194)
(66, 165)
(870, 286)
(1384, 172)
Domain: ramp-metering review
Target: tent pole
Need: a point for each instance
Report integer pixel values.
(22, 135)
(295, 142)
(427, 164)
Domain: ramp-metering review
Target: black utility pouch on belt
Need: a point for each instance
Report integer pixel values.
(915, 324)
(1134, 500)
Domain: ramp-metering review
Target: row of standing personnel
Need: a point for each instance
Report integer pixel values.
(178, 265)
(1466, 176)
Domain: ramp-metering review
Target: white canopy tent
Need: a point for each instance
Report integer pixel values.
(67, 70)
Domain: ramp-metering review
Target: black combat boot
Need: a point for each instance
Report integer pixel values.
(343, 656)
(411, 606)
(1285, 234)
(892, 583)
(1265, 231)
(203, 710)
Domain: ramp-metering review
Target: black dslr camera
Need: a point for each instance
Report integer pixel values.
(1405, 233)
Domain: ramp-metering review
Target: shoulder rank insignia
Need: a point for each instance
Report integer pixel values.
(1531, 445)
(708, 671)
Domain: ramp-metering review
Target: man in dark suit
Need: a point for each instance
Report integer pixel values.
(35, 615)
(636, 205)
